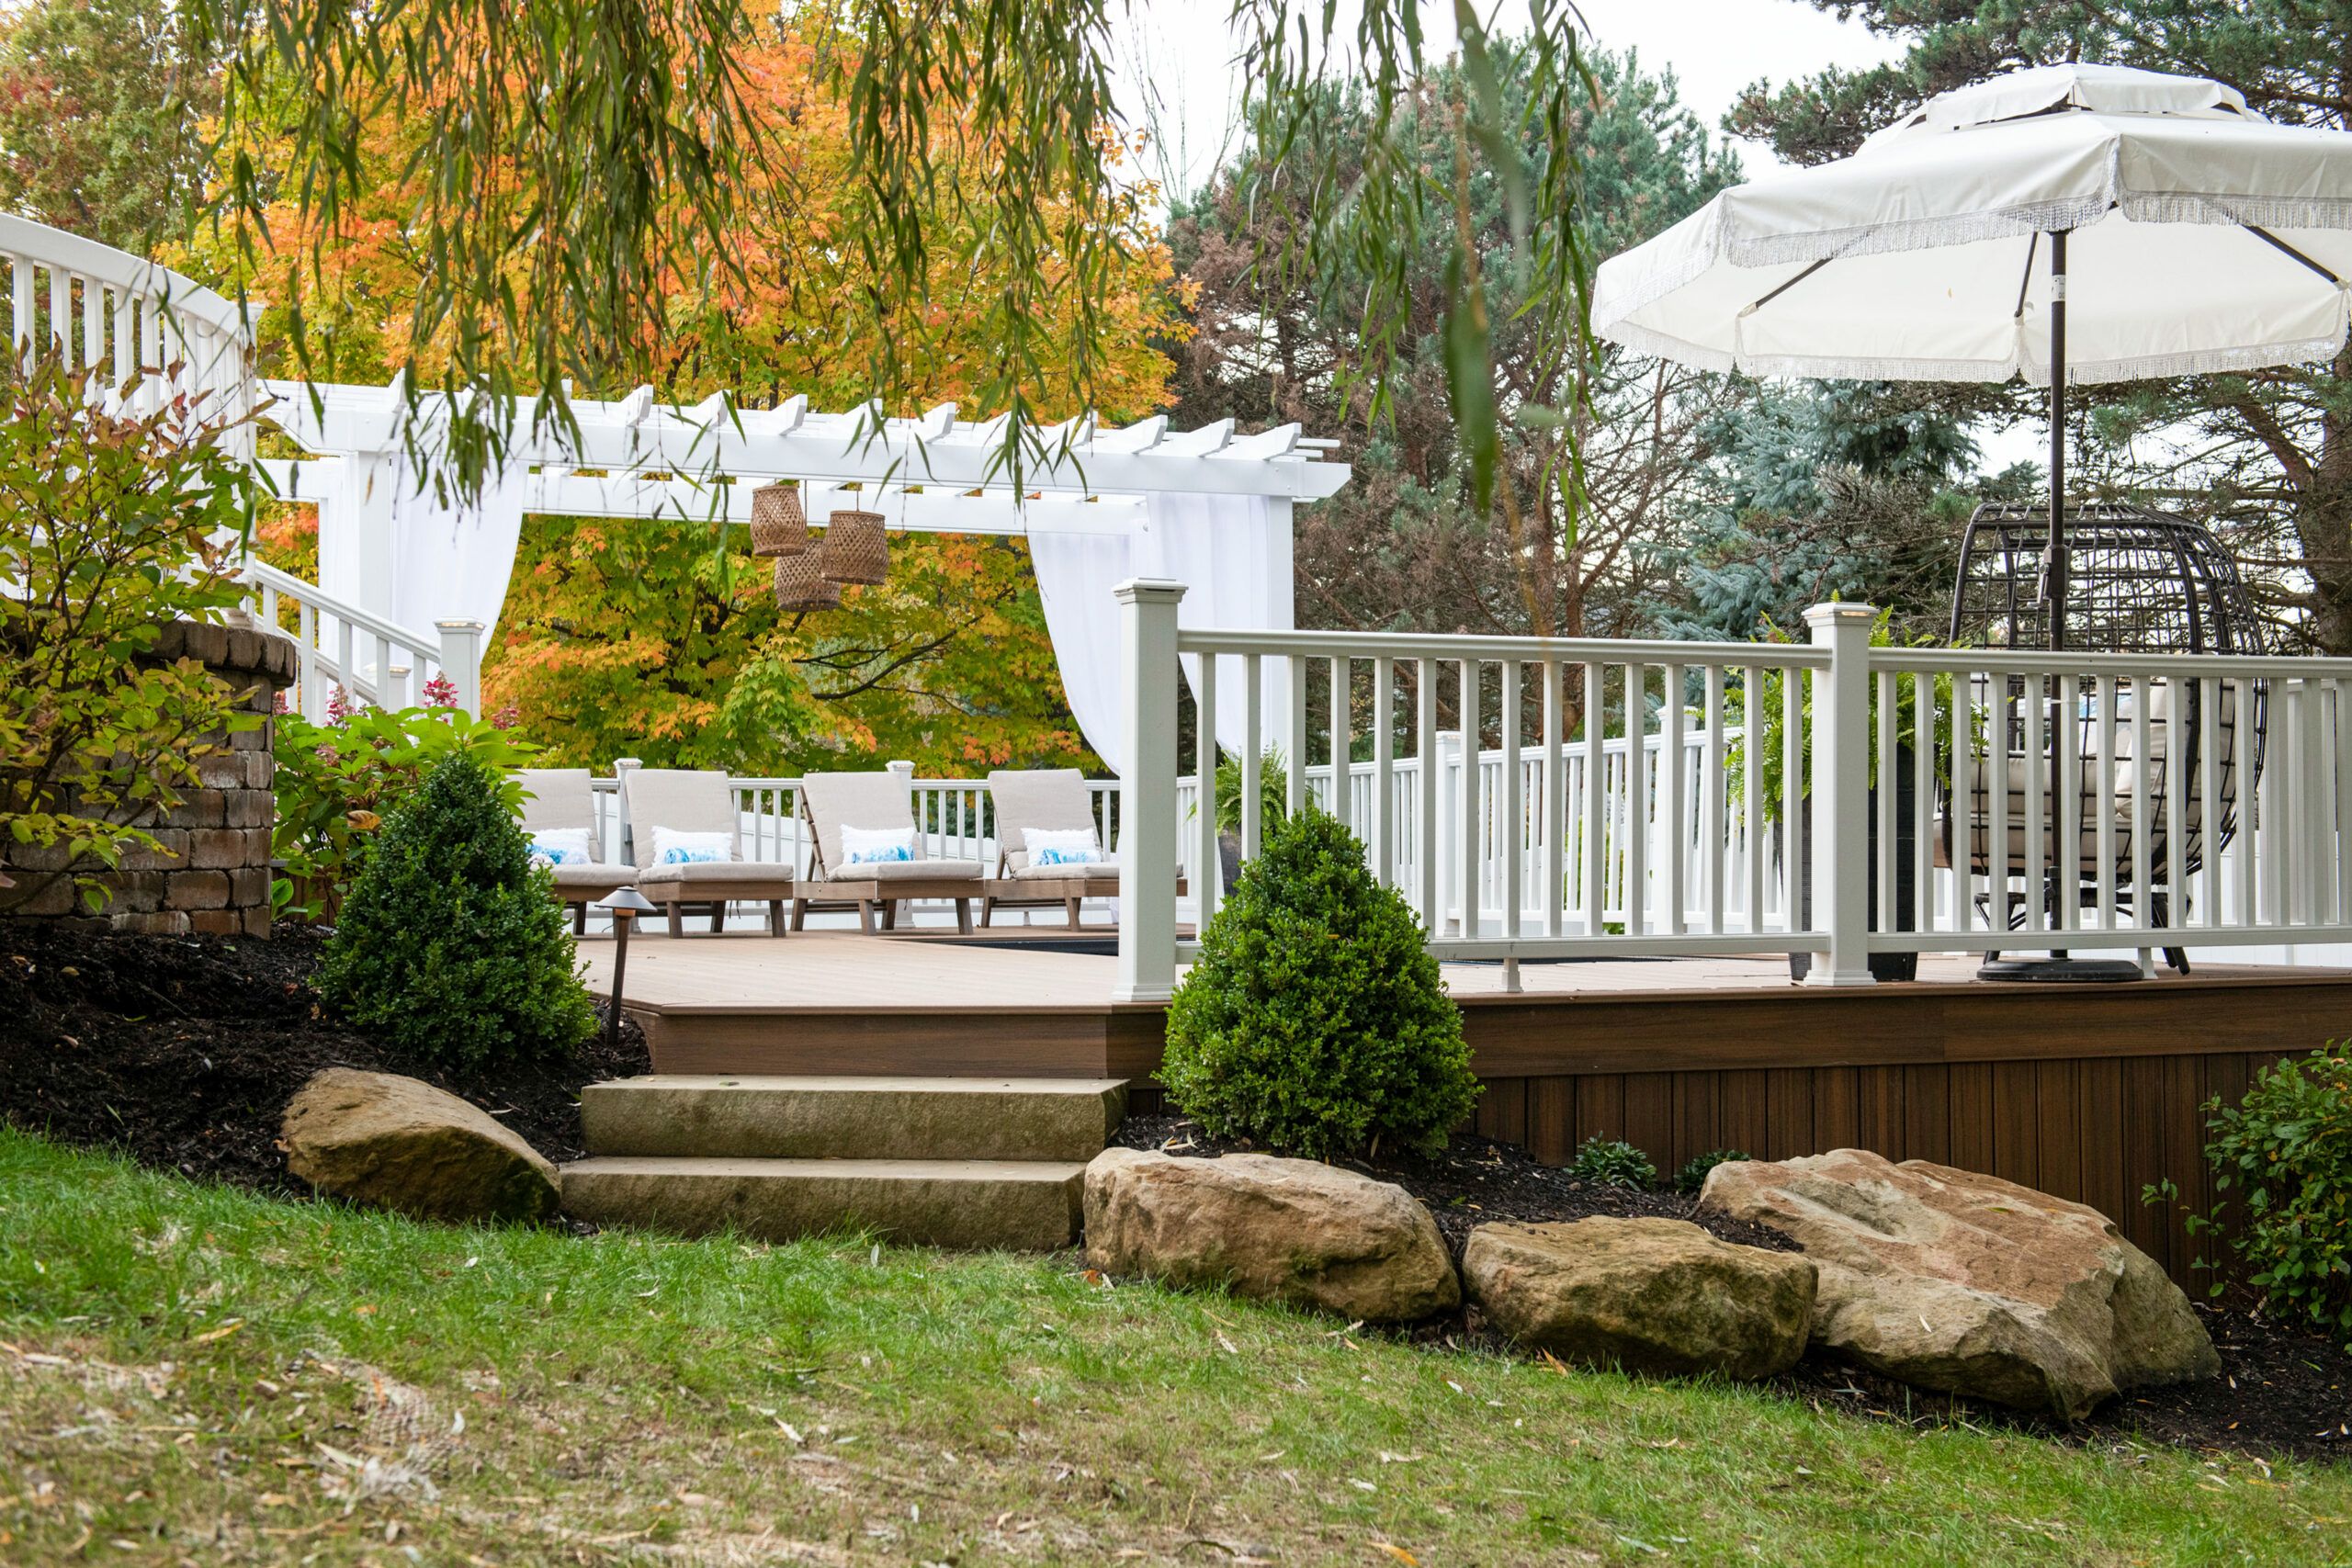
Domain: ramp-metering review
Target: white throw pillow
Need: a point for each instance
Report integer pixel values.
(864, 846)
(1061, 846)
(672, 846)
(561, 846)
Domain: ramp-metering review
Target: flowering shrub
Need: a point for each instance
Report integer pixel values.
(111, 527)
(338, 781)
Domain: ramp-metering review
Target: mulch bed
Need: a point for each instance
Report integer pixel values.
(2283, 1390)
(183, 1052)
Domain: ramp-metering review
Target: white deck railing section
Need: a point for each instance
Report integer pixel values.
(150, 334)
(1939, 796)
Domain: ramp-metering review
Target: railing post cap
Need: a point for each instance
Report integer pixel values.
(1150, 591)
(457, 625)
(1840, 615)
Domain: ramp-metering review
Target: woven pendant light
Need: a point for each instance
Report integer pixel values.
(779, 527)
(856, 549)
(801, 583)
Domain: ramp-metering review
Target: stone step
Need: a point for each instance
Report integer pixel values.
(1020, 1205)
(712, 1116)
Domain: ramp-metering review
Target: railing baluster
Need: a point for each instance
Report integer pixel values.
(1794, 916)
(1556, 804)
(1713, 815)
(1751, 787)
(2103, 798)
(1382, 804)
(1511, 827)
(1294, 778)
(1342, 744)
(1593, 803)
(1427, 828)
(1923, 800)
(1253, 749)
(1882, 907)
(2066, 811)
(1637, 798)
(1205, 878)
(1672, 808)
(1469, 862)
(1959, 819)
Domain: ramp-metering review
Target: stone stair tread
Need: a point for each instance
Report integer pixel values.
(1029, 1205)
(776, 1117)
(1042, 1170)
(837, 1083)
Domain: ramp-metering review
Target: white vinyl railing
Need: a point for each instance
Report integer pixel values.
(107, 311)
(342, 648)
(957, 819)
(1892, 800)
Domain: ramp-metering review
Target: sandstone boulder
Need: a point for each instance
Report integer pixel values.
(400, 1145)
(1969, 1284)
(1281, 1229)
(1652, 1296)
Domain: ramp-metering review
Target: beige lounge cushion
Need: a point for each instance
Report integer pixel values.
(831, 801)
(908, 871)
(714, 873)
(561, 798)
(1037, 797)
(1102, 874)
(690, 800)
(601, 874)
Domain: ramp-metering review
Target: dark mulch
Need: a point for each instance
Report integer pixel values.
(2282, 1390)
(1477, 1181)
(183, 1052)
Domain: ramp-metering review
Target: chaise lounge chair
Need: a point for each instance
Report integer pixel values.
(854, 805)
(1048, 800)
(675, 813)
(561, 801)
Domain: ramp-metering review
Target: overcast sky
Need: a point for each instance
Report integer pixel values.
(1180, 54)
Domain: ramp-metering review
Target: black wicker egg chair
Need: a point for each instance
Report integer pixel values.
(2138, 581)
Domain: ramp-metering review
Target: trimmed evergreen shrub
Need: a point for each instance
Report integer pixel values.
(1314, 1019)
(1612, 1162)
(449, 943)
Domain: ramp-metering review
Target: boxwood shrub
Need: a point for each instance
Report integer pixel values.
(2282, 1170)
(1314, 1021)
(449, 943)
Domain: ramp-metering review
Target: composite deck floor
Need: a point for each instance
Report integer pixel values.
(842, 972)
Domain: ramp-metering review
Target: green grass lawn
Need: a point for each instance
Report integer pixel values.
(193, 1374)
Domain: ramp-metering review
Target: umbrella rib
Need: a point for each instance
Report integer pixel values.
(2275, 243)
(1784, 288)
(2025, 277)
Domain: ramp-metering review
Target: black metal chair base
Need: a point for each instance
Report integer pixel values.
(2062, 971)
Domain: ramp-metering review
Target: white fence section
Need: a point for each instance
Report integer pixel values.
(368, 658)
(1829, 798)
(112, 313)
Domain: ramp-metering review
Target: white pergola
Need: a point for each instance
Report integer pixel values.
(1098, 504)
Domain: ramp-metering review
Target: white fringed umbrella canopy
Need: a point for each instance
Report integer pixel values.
(2062, 223)
(2200, 237)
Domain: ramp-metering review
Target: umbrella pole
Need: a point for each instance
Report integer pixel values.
(2058, 966)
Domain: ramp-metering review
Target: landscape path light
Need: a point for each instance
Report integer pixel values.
(624, 904)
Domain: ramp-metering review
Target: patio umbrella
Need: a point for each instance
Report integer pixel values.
(2066, 224)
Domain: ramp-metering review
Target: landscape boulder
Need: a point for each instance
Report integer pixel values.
(1287, 1230)
(1652, 1296)
(400, 1145)
(1954, 1280)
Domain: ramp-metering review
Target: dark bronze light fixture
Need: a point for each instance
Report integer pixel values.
(624, 904)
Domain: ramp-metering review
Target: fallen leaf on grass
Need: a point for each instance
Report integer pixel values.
(1228, 1346)
(1398, 1552)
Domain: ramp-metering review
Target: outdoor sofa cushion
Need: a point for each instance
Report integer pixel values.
(713, 874)
(693, 800)
(1101, 874)
(1036, 798)
(833, 801)
(906, 871)
(601, 876)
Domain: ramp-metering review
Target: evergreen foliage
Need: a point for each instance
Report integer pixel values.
(1612, 1162)
(1314, 1019)
(449, 944)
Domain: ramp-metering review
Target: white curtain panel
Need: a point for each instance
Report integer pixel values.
(1076, 573)
(452, 559)
(1233, 555)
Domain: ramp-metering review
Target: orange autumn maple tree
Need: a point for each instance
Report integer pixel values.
(655, 639)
